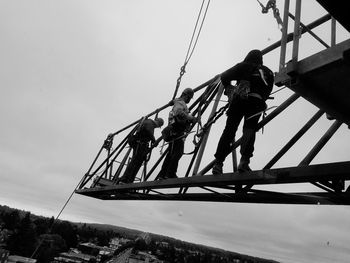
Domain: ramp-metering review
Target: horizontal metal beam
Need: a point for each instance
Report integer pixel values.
(312, 173)
(310, 26)
(313, 62)
(319, 198)
(320, 59)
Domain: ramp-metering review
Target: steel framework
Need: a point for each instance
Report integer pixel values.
(322, 79)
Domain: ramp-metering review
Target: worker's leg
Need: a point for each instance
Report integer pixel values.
(176, 154)
(135, 163)
(166, 162)
(234, 116)
(247, 148)
(254, 106)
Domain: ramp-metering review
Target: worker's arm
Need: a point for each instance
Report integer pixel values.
(147, 130)
(181, 111)
(237, 72)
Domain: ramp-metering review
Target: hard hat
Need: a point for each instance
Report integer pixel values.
(188, 92)
(254, 56)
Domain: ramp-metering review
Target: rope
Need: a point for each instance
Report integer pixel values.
(271, 4)
(200, 132)
(177, 138)
(213, 119)
(278, 90)
(188, 56)
(56, 219)
(189, 51)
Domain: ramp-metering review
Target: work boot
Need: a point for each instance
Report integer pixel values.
(243, 165)
(217, 168)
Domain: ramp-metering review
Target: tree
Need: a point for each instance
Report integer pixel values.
(103, 238)
(42, 225)
(67, 232)
(22, 241)
(11, 220)
(50, 246)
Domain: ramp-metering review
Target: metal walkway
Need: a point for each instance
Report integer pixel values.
(236, 186)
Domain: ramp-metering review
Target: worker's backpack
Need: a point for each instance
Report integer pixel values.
(176, 127)
(241, 90)
(167, 133)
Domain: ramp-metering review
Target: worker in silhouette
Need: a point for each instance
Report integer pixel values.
(140, 143)
(254, 83)
(180, 121)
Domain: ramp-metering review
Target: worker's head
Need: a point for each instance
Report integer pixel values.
(187, 94)
(159, 122)
(254, 56)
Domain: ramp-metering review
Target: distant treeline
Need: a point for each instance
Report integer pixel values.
(22, 232)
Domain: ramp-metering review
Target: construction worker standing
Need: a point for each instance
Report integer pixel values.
(179, 122)
(247, 99)
(140, 144)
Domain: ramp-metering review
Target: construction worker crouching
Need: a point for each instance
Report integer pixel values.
(247, 99)
(180, 121)
(140, 144)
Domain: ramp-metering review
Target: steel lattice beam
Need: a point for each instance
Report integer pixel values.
(304, 174)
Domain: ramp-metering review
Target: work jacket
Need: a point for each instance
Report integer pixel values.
(260, 77)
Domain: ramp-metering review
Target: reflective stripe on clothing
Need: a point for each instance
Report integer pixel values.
(256, 95)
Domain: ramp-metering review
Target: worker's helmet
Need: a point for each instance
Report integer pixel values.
(254, 56)
(188, 92)
(159, 121)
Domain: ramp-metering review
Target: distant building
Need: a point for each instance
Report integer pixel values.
(163, 244)
(92, 249)
(89, 248)
(143, 257)
(118, 242)
(123, 257)
(128, 257)
(73, 257)
(19, 259)
(4, 254)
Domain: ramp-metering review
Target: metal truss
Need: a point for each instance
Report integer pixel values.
(322, 79)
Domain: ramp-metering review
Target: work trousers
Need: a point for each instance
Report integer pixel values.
(140, 151)
(238, 109)
(171, 161)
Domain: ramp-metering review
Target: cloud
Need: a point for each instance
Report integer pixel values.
(72, 72)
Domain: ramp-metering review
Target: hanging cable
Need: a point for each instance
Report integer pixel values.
(278, 90)
(271, 4)
(189, 55)
(56, 219)
(191, 48)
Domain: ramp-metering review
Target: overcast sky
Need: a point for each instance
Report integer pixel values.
(72, 72)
